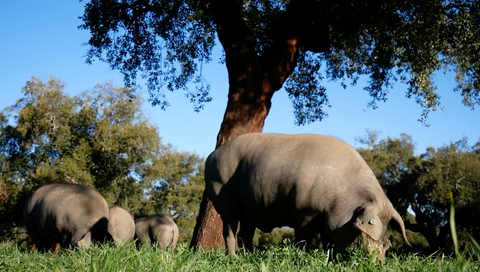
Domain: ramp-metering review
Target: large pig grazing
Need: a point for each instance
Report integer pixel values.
(312, 183)
(121, 225)
(157, 228)
(66, 214)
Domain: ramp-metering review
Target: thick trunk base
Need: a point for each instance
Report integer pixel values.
(208, 230)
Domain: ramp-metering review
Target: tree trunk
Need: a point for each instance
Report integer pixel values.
(253, 80)
(208, 229)
(246, 112)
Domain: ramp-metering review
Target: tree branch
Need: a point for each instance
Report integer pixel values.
(294, 34)
(445, 10)
(455, 6)
(234, 35)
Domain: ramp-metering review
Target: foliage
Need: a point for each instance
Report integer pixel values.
(452, 169)
(98, 138)
(390, 159)
(180, 190)
(276, 258)
(419, 244)
(3, 192)
(167, 42)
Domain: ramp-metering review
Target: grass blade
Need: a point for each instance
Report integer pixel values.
(453, 228)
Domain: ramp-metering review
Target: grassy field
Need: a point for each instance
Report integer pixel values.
(281, 258)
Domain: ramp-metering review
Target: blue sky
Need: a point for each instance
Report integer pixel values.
(41, 39)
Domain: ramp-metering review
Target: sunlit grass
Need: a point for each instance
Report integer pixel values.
(462, 263)
(279, 258)
(284, 257)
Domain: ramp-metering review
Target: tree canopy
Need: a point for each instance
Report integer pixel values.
(99, 138)
(179, 192)
(167, 42)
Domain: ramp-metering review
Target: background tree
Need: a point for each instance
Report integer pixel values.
(99, 138)
(391, 159)
(297, 43)
(423, 183)
(452, 169)
(180, 190)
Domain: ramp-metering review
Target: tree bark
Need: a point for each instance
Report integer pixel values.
(253, 80)
(246, 112)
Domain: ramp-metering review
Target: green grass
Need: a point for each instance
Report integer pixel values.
(280, 258)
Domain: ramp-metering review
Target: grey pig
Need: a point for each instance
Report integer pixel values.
(312, 183)
(157, 228)
(66, 214)
(121, 225)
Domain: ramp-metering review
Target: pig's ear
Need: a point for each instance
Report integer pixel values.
(369, 223)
